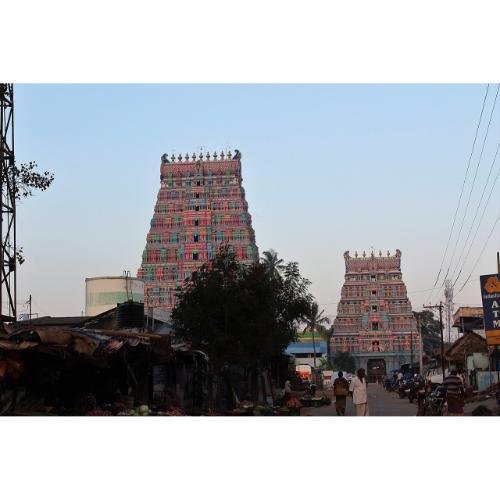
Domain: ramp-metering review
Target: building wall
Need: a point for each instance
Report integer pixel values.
(200, 206)
(486, 379)
(374, 316)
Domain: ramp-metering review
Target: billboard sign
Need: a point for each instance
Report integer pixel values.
(490, 293)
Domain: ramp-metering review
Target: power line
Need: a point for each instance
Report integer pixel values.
(481, 254)
(473, 184)
(425, 290)
(462, 189)
(38, 306)
(484, 211)
(484, 188)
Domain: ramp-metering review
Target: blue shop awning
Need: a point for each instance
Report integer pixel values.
(297, 348)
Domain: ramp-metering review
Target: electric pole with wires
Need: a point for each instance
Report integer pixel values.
(440, 306)
(448, 294)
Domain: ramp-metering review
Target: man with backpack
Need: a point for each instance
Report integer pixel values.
(341, 391)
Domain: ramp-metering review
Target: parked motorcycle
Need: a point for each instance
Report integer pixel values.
(435, 403)
(414, 387)
(310, 389)
(421, 401)
(403, 389)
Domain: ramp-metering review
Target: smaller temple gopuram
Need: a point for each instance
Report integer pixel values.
(375, 322)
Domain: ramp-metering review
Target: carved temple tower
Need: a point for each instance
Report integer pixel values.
(375, 322)
(200, 206)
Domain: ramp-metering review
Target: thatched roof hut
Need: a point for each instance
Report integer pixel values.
(466, 345)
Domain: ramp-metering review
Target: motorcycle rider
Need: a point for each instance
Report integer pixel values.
(455, 394)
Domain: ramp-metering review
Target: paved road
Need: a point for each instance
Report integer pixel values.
(380, 403)
(388, 404)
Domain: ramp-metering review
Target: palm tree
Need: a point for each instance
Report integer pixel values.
(314, 321)
(273, 263)
(328, 334)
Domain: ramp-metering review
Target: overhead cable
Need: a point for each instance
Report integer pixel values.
(473, 184)
(482, 215)
(480, 255)
(462, 188)
(484, 188)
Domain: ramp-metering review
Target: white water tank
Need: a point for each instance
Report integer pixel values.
(105, 292)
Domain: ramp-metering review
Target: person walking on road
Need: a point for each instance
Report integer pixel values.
(454, 394)
(341, 391)
(359, 393)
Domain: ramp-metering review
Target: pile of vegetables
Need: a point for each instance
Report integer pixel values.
(145, 411)
(264, 411)
(174, 412)
(140, 411)
(245, 408)
(315, 401)
(97, 412)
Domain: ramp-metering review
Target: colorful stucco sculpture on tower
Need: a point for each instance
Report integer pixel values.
(200, 206)
(375, 322)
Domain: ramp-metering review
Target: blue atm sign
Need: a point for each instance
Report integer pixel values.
(490, 293)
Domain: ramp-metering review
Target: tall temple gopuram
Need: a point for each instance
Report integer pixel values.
(200, 206)
(374, 322)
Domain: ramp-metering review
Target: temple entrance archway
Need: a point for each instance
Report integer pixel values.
(376, 370)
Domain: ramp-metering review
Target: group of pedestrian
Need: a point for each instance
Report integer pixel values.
(356, 389)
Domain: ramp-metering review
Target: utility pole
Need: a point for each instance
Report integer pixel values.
(440, 307)
(420, 357)
(448, 293)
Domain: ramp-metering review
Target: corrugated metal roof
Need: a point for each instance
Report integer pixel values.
(53, 321)
(306, 347)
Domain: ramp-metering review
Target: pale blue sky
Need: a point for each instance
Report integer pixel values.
(326, 168)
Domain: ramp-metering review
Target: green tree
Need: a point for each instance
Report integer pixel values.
(274, 264)
(315, 321)
(344, 361)
(241, 316)
(431, 331)
(26, 180)
(326, 364)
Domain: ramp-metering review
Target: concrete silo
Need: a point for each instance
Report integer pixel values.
(105, 292)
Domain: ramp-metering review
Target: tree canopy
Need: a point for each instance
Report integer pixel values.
(315, 320)
(273, 263)
(344, 361)
(241, 315)
(431, 330)
(26, 180)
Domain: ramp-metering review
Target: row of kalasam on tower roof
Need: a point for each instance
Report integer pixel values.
(201, 157)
